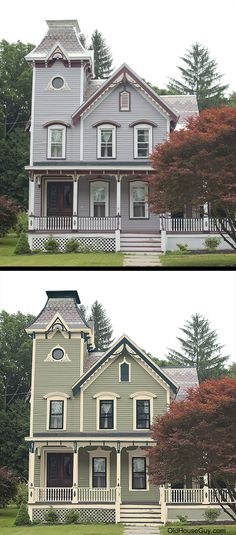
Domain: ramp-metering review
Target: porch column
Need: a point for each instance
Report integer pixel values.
(31, 201)
(118, 489)
(75, 202)
(205, 490)
(75, 474)
(31, 473)
(206, 216)
(118, 210)
(163, 504)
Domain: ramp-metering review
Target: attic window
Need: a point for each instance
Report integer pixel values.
(57, 82)
(125, 101)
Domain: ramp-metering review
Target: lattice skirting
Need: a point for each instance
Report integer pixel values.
(86, 244)
(87, 516)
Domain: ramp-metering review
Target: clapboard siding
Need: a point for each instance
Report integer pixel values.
(151, 495)
(84, 195)
(53, 105)
(84, 466)
(109, 381)
(128, 224)
(108, 109)
(56, 377)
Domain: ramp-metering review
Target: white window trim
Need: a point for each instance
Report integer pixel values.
(132, 185)
(99, 131)
(120, 364)
(92, 188)
(137, 127)
(138, 453)
(106, 396)
(56, 396)
(120, 96)
(50, 358)
(142, 395)
(50, 129)
(99, 453)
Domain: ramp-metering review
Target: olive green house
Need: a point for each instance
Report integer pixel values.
(90, 422)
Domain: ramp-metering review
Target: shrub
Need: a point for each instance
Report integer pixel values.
(8, 214)
(182, 518)
(72, 516)
(51, 245)
(212, 514)
(22, 517)
(22, 223)
(8, 486)
(183, 247)
(72, 246)
(22, 246)
(22, 494)
(36, 251)
(212, 243)
(51, 516)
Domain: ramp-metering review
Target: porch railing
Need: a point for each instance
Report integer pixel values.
(192, 224)
(84, 494)
(206, 495)
(81, 224)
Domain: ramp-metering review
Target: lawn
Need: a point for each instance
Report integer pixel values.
(198, 260)
(209, 529)
(7, 257)
(7, 518)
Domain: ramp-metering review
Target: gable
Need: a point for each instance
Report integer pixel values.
(124, 347)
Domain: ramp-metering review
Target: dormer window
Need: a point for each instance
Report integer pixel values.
(125, 101)
(56, 141)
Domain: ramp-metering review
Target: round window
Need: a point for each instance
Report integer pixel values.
(57, 353)
(57, 82)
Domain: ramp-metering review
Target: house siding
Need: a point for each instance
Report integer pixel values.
(142, 496)
(108, 381)
(108, 109)
(56, 377)
(152, 223)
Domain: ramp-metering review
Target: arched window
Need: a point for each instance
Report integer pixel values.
(56, 141)
(142, 140)
(124, 372)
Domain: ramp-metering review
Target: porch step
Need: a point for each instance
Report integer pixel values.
(140, 243)
(140, 515)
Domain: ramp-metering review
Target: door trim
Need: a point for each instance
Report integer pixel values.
(45, 191)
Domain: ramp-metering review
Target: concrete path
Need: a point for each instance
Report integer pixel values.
(141, 530)
(141, 259)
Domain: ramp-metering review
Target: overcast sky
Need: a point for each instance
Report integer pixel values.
(147, 306)
(148, 35)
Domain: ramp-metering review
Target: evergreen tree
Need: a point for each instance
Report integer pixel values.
(83, 310)
(102, 327)
(199, 348)
(102, 55)
(199, 77)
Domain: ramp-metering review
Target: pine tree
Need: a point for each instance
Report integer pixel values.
(83, 310)
(199, 348)
(102, 327)
(199, 77)
(102, 55)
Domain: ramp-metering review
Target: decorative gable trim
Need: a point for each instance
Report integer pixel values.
(112, 353)
(117, 77)
(57, 52)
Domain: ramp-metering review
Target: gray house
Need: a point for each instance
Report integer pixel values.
(90, 146)
(90, 422)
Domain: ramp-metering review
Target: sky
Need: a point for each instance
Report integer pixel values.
(150, 36)
(149, 306)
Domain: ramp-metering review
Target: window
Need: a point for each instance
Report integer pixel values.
(124, 372)
(99, 197)
(138, 200)
(56, 414)
(57, 353)
(106, 141)
(139, 480)
(125, 101)
(99, 472)
(143, 414)
(57, 82)
(56, 141)
(142, 141)
(106, 414)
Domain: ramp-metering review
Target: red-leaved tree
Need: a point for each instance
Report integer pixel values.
(8, 214)
(8, 486)
(198, 436)
(198, 165)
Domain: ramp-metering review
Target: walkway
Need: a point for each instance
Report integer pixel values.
(142, 260)
(141, 530)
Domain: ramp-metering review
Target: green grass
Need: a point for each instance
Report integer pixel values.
(197, 529)
(7, 257)
(219, 260)
(7, 518)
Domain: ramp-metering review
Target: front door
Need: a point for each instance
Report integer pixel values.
(59, 469)
(60, 199)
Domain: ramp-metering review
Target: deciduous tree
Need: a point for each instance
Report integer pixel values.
(8, 214)
(196, 437)
(8, 486)
(200, 348)
(198, 165)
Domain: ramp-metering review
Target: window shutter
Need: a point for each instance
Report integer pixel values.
(125, 101)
